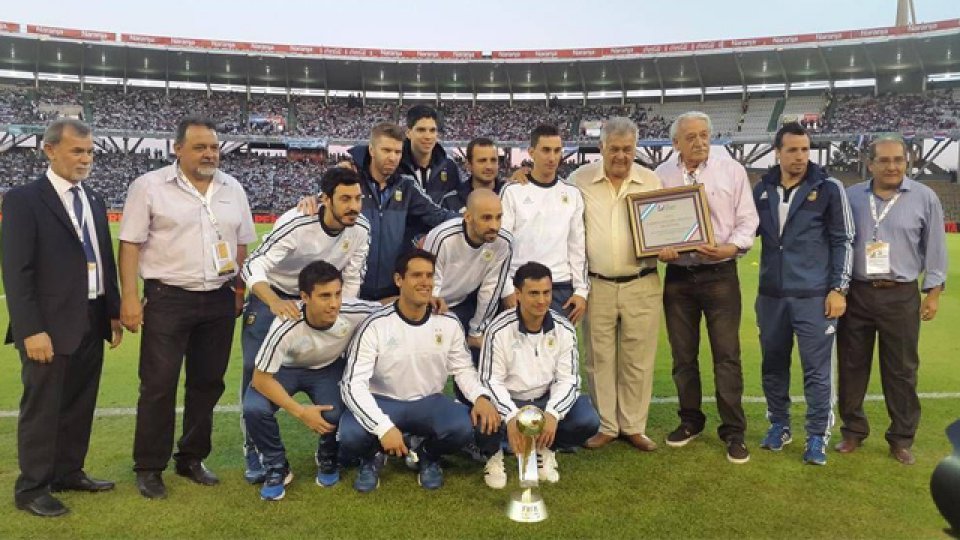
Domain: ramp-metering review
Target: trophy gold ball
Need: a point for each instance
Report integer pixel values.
(530, 421)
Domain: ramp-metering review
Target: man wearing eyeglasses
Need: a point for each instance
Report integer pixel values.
(900, 236)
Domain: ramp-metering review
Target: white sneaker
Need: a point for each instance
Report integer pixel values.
(547, 466)
(494, 474)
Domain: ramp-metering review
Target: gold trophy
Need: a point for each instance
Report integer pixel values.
(527, 506)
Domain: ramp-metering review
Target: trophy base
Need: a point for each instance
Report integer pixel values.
(527, 507)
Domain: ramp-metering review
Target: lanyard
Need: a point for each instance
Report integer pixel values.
(203, 201)
(886, 210)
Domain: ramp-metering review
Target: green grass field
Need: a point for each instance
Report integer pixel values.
(613, 492)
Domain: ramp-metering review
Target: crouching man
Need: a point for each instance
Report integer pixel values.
(303, 354)
(529, 357)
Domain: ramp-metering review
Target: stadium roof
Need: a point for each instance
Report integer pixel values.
(916, 51)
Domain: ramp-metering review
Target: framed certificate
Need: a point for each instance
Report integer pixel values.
(677, 218)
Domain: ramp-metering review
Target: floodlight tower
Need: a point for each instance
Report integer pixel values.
(905, 13)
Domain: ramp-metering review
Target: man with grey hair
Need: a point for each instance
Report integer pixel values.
(899, 237)
(704, 284)
(61, 283)
(185, 230)
(623, 309)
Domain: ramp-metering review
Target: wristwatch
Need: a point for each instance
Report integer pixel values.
(841, 291)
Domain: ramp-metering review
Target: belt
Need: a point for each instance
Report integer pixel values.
(623, 279)
(884, 283)
(695, 268)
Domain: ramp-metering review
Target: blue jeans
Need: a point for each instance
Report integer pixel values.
(257, 318)
(259, 413)
(444, 423)
(579, 424)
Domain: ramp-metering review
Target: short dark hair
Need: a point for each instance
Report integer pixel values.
(337, 176)
(418, 112)
(478, 141)
(530, 270)
(543, 130)
(386, 129)
(403, 261)
(317, 273)
(188, 121)
(790, 128)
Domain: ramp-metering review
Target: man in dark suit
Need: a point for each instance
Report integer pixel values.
(60, 279)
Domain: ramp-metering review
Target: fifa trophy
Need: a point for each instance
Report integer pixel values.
(527, 506)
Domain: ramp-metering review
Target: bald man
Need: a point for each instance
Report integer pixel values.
(473, 260)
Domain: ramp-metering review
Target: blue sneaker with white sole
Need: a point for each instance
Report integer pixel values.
(368, 476)
(275, 484)
(777, 437)
(816, 450)
(328, 473)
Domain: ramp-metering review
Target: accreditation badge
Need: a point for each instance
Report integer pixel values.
(92, 284)
(877, 258)
(223, 259)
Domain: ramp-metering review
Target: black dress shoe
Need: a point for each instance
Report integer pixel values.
(198, 472)
(45, 505)
(150, 484)
(82, 482)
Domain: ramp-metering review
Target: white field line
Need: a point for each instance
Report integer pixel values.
(131, 411)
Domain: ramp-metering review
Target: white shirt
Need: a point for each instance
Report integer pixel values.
(295, 343)
(174, 231)
(297, 240)
(396, 358)
(547, 227)
(63, 187)
(516, 364)
(463, 267)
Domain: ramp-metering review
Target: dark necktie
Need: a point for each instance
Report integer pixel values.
(85, 233)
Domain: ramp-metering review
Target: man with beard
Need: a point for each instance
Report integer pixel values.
(339, 236)
(185, 228)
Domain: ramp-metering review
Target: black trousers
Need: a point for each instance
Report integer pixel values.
(180, 325)
(893, 314)
(56, 412)
(713, 292)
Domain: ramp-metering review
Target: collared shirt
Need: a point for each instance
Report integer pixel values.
(63, 187)
(610, 249)
(732, 212)
(913, 227)
(175, 233)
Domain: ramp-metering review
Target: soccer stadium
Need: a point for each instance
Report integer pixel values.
(286, 113)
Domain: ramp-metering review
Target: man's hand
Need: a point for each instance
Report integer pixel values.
(519, 176)
(509, 301)
(285, 309)
(116, 333)
(39, 348)
(311, 417)
(513, 435)
(668, 255)
(388, 300)
(576, 307)
(835, 305)
(718, 253)
(392, 443)
(549, 433)
(131, 313)
(439, 305)
(485, 415)
(309, 205)
(474, 342)
(929, 306)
